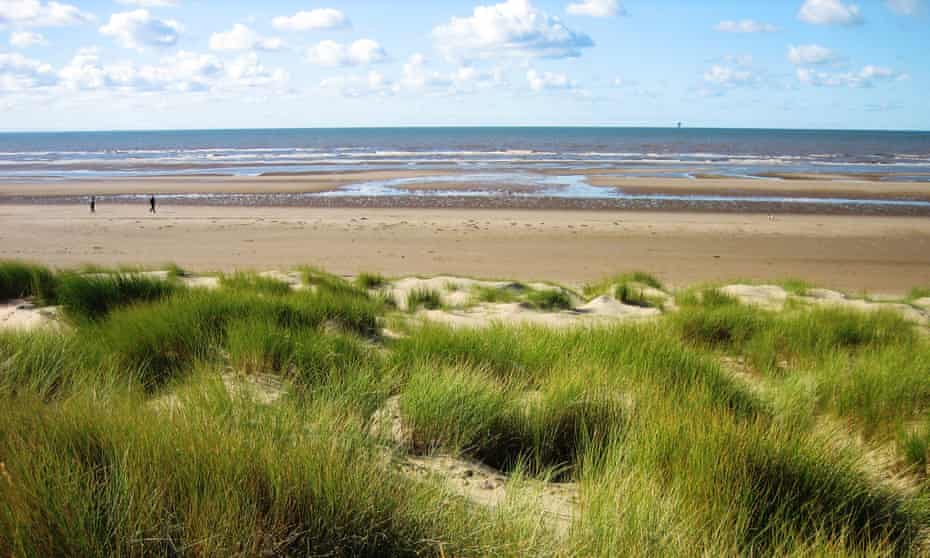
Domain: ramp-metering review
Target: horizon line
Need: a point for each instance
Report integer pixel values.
(439, 126)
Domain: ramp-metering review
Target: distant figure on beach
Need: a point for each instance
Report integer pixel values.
(152, 204)
(93, 204)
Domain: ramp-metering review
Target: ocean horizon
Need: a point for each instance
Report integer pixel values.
(743, 152)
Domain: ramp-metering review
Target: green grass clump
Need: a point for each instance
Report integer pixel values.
(308, 356)
(244, 281)
(919, 292)
(19, 279)
(495, 295)
(707, 298)
(502, 351)
(466, 410)
(220, 477)
(797, 287)
(322, 281)
(796, 336)
(40, 363)
(632, 295)
(720, 325)
(527, 356)
(163, 340)
(321, 357)
(427, 298)
(914, 445)
(91, 297)
(549, 299)
(802, 488)
(258, 345)
(453, 408)
(867, 366)
(175, 271)
(608, 285)
(370, 280)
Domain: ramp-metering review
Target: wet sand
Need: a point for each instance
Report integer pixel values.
(439, 189)
(873, 253)
(316, 182)
(801, 185)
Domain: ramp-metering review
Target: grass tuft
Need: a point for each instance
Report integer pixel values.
(246, 281)
(919, 292)
(427, 298)
(91, 297)
(549, 299)
(632, 295)
(19, 279)
(494, 295)
(370, 281)
(608, 285)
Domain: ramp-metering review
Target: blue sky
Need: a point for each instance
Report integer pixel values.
(144, 64)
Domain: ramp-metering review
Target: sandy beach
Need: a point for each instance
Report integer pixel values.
(875, 254)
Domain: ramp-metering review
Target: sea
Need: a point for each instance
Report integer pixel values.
(656, 152)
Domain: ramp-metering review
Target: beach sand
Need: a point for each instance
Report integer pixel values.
(855, 253)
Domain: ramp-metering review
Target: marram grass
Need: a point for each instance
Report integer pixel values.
(120, 437)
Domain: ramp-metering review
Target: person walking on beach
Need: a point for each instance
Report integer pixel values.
(152, 204)
(93, 204)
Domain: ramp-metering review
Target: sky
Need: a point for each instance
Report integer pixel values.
(182, 64)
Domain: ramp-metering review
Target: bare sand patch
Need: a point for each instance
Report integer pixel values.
(770, 297)
(24, 315)
(557, 503)
(773, 297)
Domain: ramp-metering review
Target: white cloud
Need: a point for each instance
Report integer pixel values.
(829, 12)
(745, 26)
(595, 8)
(138, 29)
(25, 39)
(465, 79)
(548, 80)
(246, 71)
(84, 72)
(810, 55)
(323, 18)
(149, 3)
(183, 72)
(907, 7)
(418, 77)
(372, 83)
(512, 28)
(726, 76)
(186, 71)
(33, 13)
(866, 77)
(360, 52)
(19, 73)
(240, 37)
